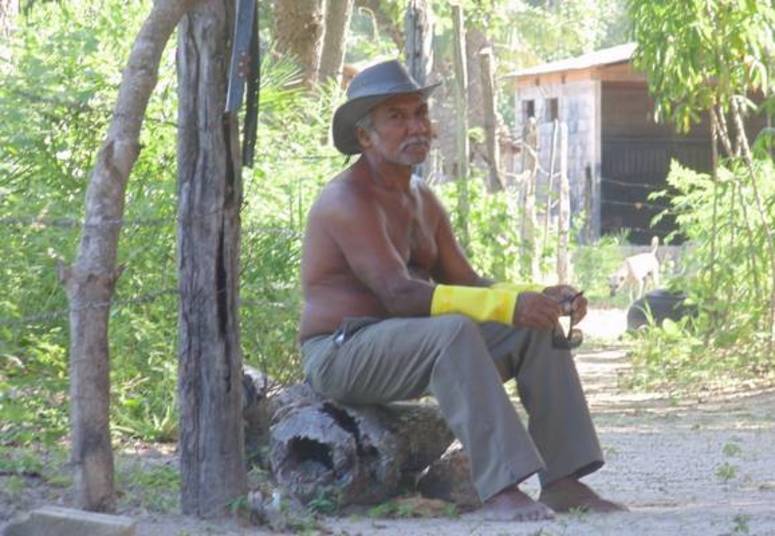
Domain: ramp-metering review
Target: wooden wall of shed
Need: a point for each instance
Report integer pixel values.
(578, 106)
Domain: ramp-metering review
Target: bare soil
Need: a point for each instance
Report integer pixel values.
(703, 465)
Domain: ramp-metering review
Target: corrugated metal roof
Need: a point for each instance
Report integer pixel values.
(605, 56)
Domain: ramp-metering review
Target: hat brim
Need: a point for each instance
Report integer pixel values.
(349, 113)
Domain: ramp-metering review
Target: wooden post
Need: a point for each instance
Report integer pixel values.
(211, 447)
(588, 194)
(419, 40)
(494, 182)
(419, 51)
(563, 223)
(529, 224)
(91, 279)
(461, 89)
(550, 187)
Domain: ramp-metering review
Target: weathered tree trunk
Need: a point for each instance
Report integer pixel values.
(419, 40)
(211, 446)
(337, 24)
(494, 180)
(563, 221)
(419, 51)
(90, 281)
(299, 32)
(361, 455)
(461, 89)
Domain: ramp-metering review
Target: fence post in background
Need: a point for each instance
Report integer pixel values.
(418, 29)
(550, 187)
(563, 223)
(588, 235)
(529, 224)
(461, 99)
(494, 179)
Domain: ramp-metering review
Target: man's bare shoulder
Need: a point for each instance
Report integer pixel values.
(341, 199)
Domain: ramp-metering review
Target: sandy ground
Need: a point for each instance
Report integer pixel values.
(702, 466)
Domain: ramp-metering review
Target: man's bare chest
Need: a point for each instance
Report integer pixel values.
(412, 233)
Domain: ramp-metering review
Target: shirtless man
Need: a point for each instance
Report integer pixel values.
(393, 310)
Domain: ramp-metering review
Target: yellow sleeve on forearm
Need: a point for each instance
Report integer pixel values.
(477, 303)
(517, 287)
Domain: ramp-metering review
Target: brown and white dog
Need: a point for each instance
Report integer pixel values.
(636, 271)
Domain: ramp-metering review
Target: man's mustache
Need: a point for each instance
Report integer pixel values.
(425, 140)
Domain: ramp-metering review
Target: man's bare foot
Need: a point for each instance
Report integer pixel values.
(512, 505)
(568, 494)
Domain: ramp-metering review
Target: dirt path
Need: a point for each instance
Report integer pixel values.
(684, 467)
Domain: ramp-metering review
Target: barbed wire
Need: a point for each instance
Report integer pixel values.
(637, 204)
(72, 223)
(646, 185)
(118, 304)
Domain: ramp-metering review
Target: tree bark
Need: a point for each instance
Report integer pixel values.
(338, 14)
(362, 454)
(299, 32)
(90, 281)
(419, 40)
(494, 179)
(211, 446)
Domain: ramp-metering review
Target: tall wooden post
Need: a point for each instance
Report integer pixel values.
(213, 472)
(494, 178)
(563, 223)
(419, 40)
(419, 51)
(461, 89)
(529, 224)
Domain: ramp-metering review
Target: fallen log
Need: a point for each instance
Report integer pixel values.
(353, 454)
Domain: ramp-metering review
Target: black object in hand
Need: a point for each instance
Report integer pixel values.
(574, 337)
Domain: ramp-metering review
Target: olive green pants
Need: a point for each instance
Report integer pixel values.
(463, 365)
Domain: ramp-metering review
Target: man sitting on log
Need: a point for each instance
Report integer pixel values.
(393, 310)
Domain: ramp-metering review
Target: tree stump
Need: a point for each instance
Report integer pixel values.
(358, 455)
(449, 479)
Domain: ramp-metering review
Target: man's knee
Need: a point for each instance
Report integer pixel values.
(450, 327)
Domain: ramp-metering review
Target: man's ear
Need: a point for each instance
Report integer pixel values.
(363, 136)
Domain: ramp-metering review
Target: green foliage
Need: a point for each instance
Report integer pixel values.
(155, 488)
(592, 264)
(697, 54)
(55, 102)
(494, 249)
(723, 276)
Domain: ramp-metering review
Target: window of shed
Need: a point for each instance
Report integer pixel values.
(528, 109)
(552, 109)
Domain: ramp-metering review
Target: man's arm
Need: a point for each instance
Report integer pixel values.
(360, 233)
(452, 266)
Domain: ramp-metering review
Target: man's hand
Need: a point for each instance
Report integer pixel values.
(563, 294)
(536, 310)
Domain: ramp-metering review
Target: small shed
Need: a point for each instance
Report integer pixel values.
(617, 153)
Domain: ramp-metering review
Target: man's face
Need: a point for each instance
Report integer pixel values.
(401, 130)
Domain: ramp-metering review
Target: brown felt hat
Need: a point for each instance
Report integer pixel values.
(370, 87)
